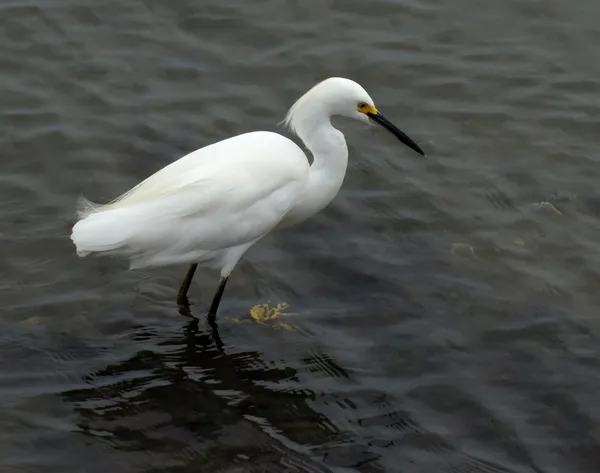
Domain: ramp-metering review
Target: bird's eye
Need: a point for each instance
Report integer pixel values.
(362, 105)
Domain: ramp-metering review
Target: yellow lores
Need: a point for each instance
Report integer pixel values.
(367, 109)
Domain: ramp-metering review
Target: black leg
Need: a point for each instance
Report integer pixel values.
(212, 313)
(185, 285)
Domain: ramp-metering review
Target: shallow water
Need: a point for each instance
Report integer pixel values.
(443, 311)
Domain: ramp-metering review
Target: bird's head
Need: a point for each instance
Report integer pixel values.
(344, 97)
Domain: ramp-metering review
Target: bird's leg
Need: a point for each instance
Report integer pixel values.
(212, 313)
(185, 285)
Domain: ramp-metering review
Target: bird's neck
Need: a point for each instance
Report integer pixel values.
(330, 160)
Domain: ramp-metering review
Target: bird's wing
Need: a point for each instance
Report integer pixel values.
(260, 152)
(219, 197)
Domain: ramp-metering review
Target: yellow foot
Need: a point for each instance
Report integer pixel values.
(263, 314)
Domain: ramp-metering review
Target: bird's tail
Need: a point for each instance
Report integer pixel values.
(86, 207)
(100, 228)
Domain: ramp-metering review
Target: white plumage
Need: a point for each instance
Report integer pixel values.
(203, 207)
(211, 205)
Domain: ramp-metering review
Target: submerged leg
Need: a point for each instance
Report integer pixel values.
(212, 313)
(185, 285)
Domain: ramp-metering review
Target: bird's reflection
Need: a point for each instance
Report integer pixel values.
(190, 396)
(192, 327)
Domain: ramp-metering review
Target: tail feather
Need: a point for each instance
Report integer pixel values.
(98, 229)
(86, 207)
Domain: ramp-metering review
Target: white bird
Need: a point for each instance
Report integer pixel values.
(213, 204)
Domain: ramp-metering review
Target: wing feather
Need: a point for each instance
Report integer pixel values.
(222, 196)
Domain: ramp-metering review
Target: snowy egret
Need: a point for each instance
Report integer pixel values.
(214, 203)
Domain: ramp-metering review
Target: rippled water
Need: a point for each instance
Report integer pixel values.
(443, 310)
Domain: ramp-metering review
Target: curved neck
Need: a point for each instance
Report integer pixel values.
(330, 160)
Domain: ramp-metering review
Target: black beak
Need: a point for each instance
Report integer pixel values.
(388, 125)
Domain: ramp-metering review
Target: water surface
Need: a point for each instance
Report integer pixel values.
(443, 311)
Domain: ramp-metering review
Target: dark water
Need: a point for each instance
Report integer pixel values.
(444, 310)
